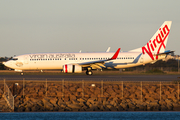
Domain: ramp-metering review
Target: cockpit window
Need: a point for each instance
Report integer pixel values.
(14, 59)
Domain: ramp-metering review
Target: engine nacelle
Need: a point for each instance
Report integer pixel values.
(69, 68)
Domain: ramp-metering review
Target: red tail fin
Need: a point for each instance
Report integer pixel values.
(115, 55)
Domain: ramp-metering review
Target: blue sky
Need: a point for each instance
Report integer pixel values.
(35, 26)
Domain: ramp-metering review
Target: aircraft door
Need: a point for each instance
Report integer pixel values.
(142, 58)
(26, 60)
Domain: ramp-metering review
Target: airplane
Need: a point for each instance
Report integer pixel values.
(151, 52)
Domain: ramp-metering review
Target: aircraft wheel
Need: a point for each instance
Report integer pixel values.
(89, 72)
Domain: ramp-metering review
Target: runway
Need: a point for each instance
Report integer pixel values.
(94, 77)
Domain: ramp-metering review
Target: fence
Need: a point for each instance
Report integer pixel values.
(72, 90)
(8, 96)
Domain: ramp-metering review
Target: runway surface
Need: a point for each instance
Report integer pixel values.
(94, 77)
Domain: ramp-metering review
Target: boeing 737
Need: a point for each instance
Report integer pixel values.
(153, 51)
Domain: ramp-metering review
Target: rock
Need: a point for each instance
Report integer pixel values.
(81, 100)
(176, 107)
(74, 106)
(75, 102)
(60, 101)
(72, 89)
(40, 93)
(125, 106)
(140, 107)
(113, 102)
(29, 104)
(164, 108)
(47, 104)
(72, 97)
(63, 105)
(66, 98)
(21, 109)
(113, 94)
(93, 108)
(59, 93)
(35, 108)
(67, 109)
(119, 108)
(97, 91)
(113, 108)
(79, 90)
(149, 107)
(27, 109)
(91, 100)
(53, 101)
(104, 108)
(109, 106)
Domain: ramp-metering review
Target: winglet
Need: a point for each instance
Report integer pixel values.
(115, 55)
(108, 49)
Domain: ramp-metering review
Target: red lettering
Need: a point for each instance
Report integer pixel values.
(154, 43)
(160, 38)
(147, 51)
(165, 27)
(161, 33)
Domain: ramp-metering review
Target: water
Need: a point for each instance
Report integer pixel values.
(91, 116)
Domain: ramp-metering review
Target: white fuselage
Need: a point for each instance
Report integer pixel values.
(58, 60)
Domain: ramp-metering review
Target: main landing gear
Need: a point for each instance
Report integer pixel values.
(89, 71)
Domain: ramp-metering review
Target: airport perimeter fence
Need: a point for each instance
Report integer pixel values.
(110, 90)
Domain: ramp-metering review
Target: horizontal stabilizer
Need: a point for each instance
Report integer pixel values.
(166, 52)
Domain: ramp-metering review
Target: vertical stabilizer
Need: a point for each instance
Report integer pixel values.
(157, 43)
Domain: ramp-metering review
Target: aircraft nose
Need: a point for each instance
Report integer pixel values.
(7, 63)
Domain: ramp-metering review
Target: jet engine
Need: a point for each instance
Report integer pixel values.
(69, 68)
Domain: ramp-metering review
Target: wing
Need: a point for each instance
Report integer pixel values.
(100, 63)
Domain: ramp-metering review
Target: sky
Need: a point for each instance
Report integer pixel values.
(41, 26)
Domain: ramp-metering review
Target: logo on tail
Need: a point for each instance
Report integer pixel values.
(158, 43)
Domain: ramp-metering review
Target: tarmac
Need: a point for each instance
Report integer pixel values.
(94, 77)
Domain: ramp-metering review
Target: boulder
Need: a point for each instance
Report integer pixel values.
(54, 101)
(176, 107)
(104, 108)
(79, 90)
(93, 108)
(21, 109)
(35, 108)
(164, 108)
(72, 89)
(73, 97)
(81, 100)
(28, 109)
(74, 106)
(125, 106)
(47, 104)
(91, 100)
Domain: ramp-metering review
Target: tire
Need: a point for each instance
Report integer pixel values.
(89, 72)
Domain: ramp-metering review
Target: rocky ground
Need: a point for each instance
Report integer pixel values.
(94, 96)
